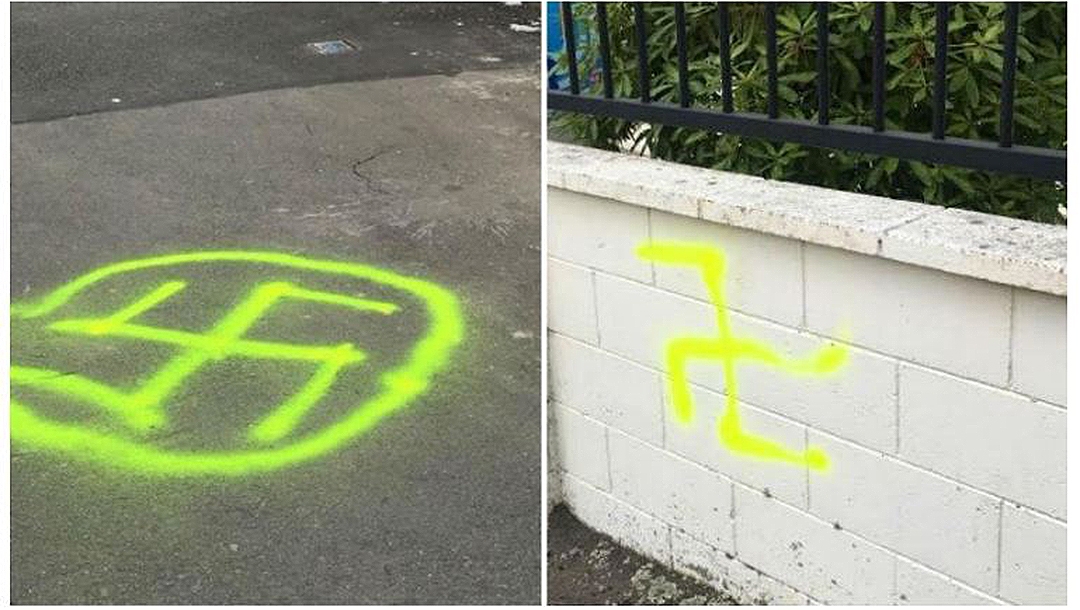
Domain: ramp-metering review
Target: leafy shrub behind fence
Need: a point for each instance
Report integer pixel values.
(974, 77)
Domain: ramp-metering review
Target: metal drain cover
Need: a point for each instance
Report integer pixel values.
(330, 47)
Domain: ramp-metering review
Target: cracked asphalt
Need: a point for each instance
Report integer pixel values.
(149, 129)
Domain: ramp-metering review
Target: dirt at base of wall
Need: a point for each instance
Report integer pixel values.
(586, 567)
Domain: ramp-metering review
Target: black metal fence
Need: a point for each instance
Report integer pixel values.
(1001, 156)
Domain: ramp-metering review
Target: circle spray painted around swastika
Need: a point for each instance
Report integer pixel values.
(276, 437)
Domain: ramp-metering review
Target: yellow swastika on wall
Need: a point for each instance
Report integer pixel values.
(268, 440)
(727, 349)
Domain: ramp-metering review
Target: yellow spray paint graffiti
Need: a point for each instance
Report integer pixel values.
(728, 349)
(267, 445)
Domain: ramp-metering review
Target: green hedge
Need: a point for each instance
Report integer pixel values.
(974, 76)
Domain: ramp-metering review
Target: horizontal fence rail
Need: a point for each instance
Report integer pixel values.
(1002, 156)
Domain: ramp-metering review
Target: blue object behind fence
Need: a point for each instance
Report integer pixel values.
(582, 30)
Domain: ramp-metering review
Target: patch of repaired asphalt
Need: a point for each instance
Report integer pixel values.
(586, 567)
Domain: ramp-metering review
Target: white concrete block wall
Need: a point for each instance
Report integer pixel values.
(573, 312)
(993, 439)
(577, 438)
(675, 490)
(1033, 557)
(610, 389)
(940, 523)
(625, 523)
(697, 442)
(919, 315)
(811, 555)
(764, 272)
(945, 429)
(722, 570)
(918, 586)
(1038, 346)
(553, 488)
(598, 233)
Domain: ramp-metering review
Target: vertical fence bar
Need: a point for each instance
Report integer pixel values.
(725, 55)
(1008, 75)
(941, 50)
(570, 45)
(879, 66)
(605, 49)
(680, 43)
(822, 10)
(642, 52)
(770, 56)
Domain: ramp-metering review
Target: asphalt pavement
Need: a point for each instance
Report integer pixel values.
(415, 154)
(78, 58)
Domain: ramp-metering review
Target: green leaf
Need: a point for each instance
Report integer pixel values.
(972, 92)
(797, 77)
(786, 93)
(789, 21)
(921, 172)
(874, 177)
(959, 180)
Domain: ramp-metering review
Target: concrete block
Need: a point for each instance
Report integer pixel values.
(553, 487)
(829, 565)
(607, 388)
(995, 440)
(725, 573)
(672, 489)
(939, 523)
(637, 321)
(856, 402)
(582, 446)
(571, 301)
(699, 442)
(764, 272)
(1033, 558)
(597, 233)
(627, 525)
(957, 324)
(918, 586)
(1038, 346)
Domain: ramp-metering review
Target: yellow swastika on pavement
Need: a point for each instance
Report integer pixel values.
(145, 407)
